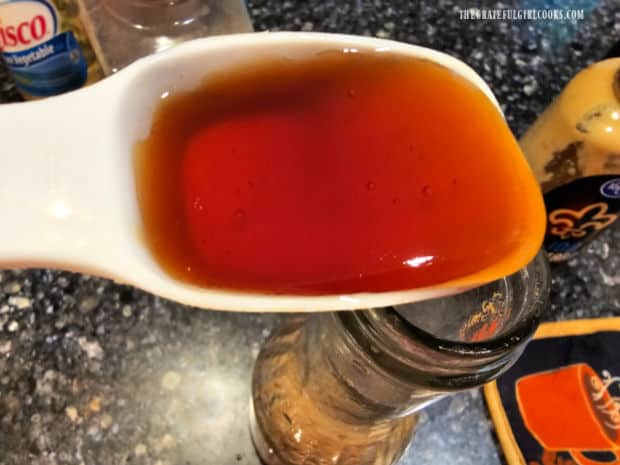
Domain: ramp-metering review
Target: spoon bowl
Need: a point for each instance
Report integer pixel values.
(68, 194)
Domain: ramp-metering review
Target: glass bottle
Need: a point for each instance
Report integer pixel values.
(574, 151)
(122, 31)
(344, 388)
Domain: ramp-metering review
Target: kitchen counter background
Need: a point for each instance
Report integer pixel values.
(92, 372)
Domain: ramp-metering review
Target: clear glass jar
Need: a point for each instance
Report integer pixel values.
(121, 31)
(344, 388)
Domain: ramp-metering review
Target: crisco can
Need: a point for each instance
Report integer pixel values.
(45, 47)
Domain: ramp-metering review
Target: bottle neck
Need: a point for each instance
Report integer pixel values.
(372, 366)
(341, 375)
(417, 359)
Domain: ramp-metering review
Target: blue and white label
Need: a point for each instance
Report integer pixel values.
(611, 189)
(43, 62)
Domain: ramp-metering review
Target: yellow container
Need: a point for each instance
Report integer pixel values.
(574, 150)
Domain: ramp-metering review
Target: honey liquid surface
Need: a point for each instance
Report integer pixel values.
(339, 173)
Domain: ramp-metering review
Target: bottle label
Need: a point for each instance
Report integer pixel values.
(43, 61)
(578, 211)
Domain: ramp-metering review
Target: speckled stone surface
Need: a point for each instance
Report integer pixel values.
(92, 372)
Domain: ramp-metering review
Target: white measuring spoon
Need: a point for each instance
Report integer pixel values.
(67, 193)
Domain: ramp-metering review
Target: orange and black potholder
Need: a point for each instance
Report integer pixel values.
(560, 403)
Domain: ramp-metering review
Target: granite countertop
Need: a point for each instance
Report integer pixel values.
(92, 372)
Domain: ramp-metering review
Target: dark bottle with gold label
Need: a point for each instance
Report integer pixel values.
(574, 150)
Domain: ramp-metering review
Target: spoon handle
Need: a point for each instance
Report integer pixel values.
(56, 166)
